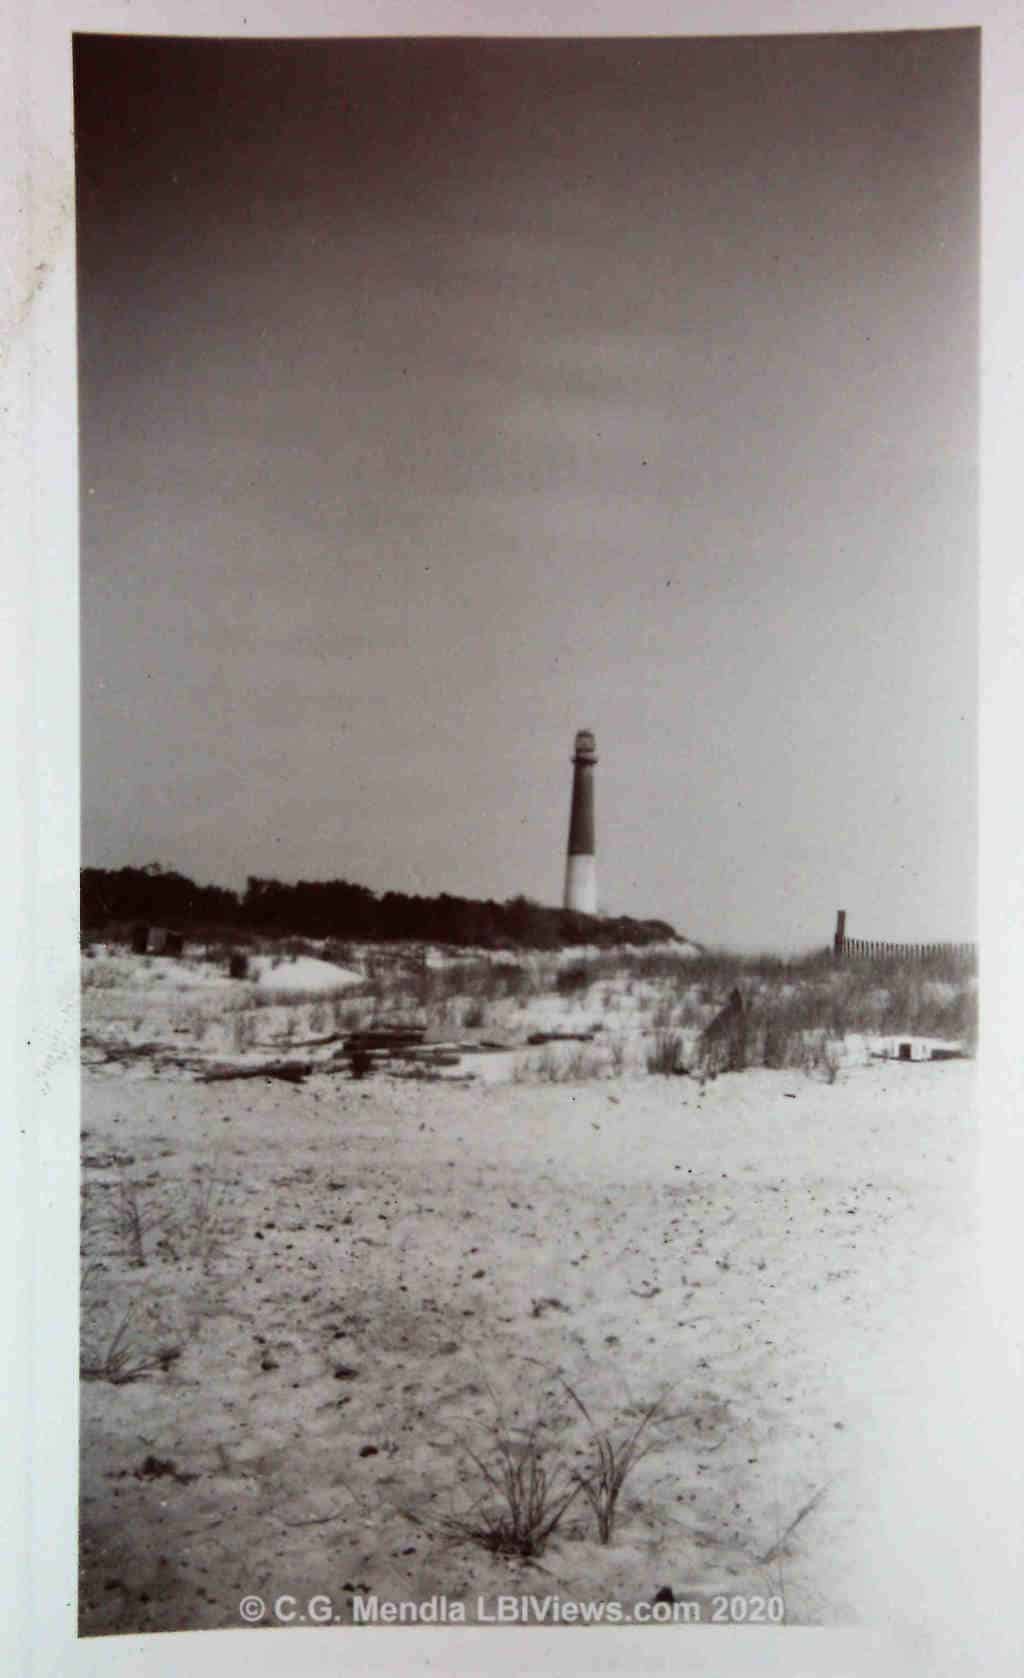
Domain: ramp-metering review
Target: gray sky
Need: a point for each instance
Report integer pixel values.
(441, 398)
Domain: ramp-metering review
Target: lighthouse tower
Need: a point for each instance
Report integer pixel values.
(580, 866)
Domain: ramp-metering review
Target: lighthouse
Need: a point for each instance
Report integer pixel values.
(580, 865)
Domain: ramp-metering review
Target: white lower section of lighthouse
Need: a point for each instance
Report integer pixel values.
(581, 884)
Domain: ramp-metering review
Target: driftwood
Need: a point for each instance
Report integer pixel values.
(118, 1053)
(385, 1037)
(97, 1053)
(357, 1054)
(354, 1057)
(292, 1072)
(537, 1038)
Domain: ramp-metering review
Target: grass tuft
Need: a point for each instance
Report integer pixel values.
(524, 1499)
(613, 1460)
(120, 1360)
(664, 1058)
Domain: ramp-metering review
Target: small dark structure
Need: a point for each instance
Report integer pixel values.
(140, 939)
(238, 965)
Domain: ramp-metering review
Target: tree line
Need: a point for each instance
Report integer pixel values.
(114, 899)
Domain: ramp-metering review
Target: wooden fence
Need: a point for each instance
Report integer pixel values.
(870, 949)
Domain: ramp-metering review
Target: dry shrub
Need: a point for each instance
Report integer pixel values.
(527, 1485)
(348, 1015)
(617, 1056)
(200, 1229)
(777, 1041)
(524, 1498)
(823, 1057)
(569, 1066)
(120, 1360)
(115, 1352)
(664, 1058)
(613, 1460)
(664, 1014)
(135, 1218)
(243, 1030)
(724, 1043)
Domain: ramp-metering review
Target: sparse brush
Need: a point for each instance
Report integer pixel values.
(121, 1361)
(617, 1056)
(288, 996)
(243, 1030)
(202, 1227)
(509, 979)
(186, 1224)
(823, 1057)
(689, 1010)
(134, 1219)
(552, 1066)
(348, 1016)
(573, 980)
(776, 1042)
(664, 1014)
(291, 949)
(525, 1496)
(613, 1460)
(130, 1222)
(723, 1045)
(664, 1058)
(583, 1064)
(340, 954)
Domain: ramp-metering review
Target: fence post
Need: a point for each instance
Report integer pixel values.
(839, 941)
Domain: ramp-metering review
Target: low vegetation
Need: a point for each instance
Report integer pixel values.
(524, 1494)
(528, 1478)
(588, 1015)
(665, 1057)
(613, 1456)
(118, 1358)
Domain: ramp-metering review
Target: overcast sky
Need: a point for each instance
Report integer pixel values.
(440, 398)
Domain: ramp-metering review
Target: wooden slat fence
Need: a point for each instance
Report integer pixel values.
(871, 949)
(874, 950)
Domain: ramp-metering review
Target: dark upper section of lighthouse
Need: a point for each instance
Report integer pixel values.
(586, 747)
(581, 814)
